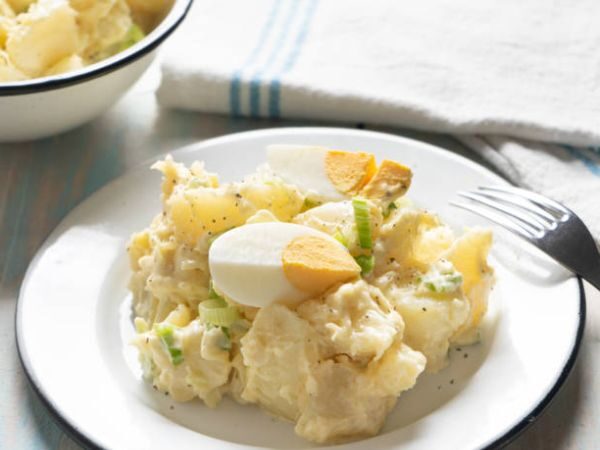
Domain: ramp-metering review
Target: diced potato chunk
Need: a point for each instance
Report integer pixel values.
(105, 32)
(8, 72)
(68, 64)
(43, 36)
(19, 6)
(356, 320)
(6, 10)
(344, 402)
(402, 240)
(469, 256)
(278, 352)
(430, 324)
(148, 13)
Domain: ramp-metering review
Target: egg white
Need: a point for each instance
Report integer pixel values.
(246, 263)
(303, 166)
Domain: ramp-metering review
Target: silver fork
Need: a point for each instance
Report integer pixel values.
(547, 224)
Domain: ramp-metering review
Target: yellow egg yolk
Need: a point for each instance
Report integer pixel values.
(314, 264)
(392, 179)
(349, 171)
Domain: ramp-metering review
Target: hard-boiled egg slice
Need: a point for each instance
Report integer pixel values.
(262, 263)
(323, 173)
(391, 181)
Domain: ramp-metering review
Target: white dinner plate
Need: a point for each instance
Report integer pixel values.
(74, 321)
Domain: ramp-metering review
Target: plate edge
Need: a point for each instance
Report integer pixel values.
(499, 442)
(514, 432)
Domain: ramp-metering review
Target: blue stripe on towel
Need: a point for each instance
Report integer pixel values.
(256, 79)
(235, 85)
(588, 162)
(275, 87)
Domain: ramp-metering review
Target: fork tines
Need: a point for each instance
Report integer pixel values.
(526, 213)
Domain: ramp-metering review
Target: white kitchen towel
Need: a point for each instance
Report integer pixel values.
(527, 69)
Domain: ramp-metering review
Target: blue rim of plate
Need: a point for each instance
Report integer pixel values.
(169, 24)
(500, 442)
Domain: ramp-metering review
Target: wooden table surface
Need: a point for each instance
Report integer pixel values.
(41, 182)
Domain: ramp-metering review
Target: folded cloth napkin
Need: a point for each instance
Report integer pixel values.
(484, 70)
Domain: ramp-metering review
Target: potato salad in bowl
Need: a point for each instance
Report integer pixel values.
(313, 288)
(40, 38)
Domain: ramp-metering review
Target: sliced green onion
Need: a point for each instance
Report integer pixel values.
(165, 332)
(430, 285)
(216, 311)
(214, 295)
(133, 36)
(176, 356)
(340, 238)
(363, 222)
(214, 303)
(212, 313)
(387, 211)
(366, 263)
(225, 340)
(442, 283)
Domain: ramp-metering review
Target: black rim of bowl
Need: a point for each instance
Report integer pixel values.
(500, 442)
(171, 21)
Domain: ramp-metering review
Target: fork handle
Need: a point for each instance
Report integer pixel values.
(593, 277)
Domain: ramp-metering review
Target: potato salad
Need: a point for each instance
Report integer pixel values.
(313, 288)
(40, 38)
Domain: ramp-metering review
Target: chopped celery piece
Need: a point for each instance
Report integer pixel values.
(363, 222)
(366, 263)
(165, 332)
(133, 36)
(215, 311)
(215, 314)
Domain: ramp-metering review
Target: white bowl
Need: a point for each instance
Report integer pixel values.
(45, 106)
